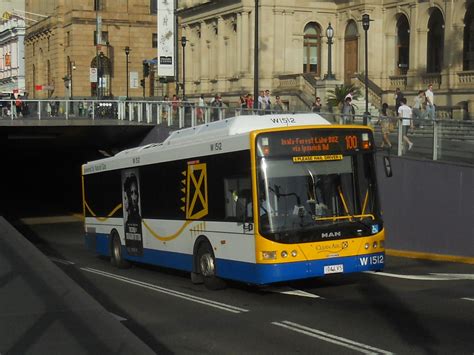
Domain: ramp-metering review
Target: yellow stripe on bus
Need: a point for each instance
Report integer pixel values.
(169, 237)
(102, 219)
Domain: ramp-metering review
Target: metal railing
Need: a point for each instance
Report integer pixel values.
(439, 139)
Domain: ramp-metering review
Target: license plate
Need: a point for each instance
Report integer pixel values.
(333, 269)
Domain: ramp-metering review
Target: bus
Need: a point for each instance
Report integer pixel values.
(255, 199)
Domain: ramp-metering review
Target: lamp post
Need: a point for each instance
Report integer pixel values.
(127, 52)
(365, 26)
(255, 60)
(183, 44)
(330, 36)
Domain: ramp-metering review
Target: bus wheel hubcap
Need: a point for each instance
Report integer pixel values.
(207, 265)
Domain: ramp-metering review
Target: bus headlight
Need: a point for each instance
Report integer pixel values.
(269, 255)
(374, 245)
(367, 245)
(284, 254)
(294, 253)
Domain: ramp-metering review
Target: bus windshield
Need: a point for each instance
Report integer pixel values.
(309, 201)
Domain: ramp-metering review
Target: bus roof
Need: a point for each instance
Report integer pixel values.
(234, 126)
(243, 124)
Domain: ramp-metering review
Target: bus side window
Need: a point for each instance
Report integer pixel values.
(237, 197)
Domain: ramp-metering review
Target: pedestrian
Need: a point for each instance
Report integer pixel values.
(430, 105)
(418, 103)
(261, 100)
(200, 109)
(398, 96)
(405, 112)
(249, 101)
(316, 106)
(216, 104)
(279, 106)
(347, 111)
(267, 101)
(384, 122)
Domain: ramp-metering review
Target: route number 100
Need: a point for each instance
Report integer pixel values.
(351, 142)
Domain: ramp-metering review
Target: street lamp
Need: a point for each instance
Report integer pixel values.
(127, 52)
(365, 26)
(255, 60)
(183, 44)
(330, 36)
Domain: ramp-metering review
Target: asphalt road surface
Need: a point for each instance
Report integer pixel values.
(413, 307)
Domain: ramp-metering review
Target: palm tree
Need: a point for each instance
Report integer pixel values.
(337, 96)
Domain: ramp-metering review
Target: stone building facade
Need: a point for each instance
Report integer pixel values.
(410, 44)
(61, 49)
(12, 34)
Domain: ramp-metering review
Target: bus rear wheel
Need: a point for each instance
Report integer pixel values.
(206, 264)
(116, 257)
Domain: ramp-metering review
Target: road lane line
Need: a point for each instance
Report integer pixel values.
(291, 291)
(330, 338)
(434, 277)
(120, 319)
(468, 299)
(61, 261)
(185, 296)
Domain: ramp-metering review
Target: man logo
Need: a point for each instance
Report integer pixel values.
(331, 235)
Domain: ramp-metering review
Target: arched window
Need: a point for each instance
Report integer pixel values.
(351, 51)
(435, 42)
(403, 44)
(468, 51)
(104, 70)
(312, 49)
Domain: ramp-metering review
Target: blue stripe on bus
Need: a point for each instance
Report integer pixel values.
(247, 272)
(268, 273)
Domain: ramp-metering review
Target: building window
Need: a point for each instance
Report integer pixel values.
(105, 38)
(468, 51)
(435, 42)
(312, 49)
(99, 5)
(68, 39)
(153, 7)
(154, 40)
(403, 45)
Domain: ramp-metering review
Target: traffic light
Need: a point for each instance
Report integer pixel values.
(142, 83)
(146, 69)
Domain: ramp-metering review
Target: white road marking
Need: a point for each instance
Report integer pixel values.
(120, 319)
(291, 291)
(61, 261)
(330, 338)
(185, 296)
(430, 277)
(468, 299)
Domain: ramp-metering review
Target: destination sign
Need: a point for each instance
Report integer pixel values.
(314, 144)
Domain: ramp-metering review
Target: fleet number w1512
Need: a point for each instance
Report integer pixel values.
(371, 260)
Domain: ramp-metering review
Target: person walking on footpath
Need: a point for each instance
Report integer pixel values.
(347, 111)
(384, 122)
(316, 107)
(398, 97)
(418, 113)
(405, 112)
(430, 106)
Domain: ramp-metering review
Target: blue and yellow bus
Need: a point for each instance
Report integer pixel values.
(257, 199)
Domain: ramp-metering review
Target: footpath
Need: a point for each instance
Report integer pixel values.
(42, 311)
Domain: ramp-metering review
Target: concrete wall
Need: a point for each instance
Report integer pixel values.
(428, 206)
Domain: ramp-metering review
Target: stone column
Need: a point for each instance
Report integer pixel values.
(279, 32)
(245, 41)
(221, 48)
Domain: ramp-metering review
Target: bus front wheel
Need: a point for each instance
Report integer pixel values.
(116, 257)
(207, 267)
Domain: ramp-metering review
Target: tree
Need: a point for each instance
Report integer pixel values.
(337, 96)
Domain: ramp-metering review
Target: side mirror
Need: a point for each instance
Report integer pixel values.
(387, 164)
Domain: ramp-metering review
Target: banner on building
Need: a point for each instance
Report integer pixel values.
(166, 38)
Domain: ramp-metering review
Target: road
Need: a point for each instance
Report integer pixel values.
(419, 307)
